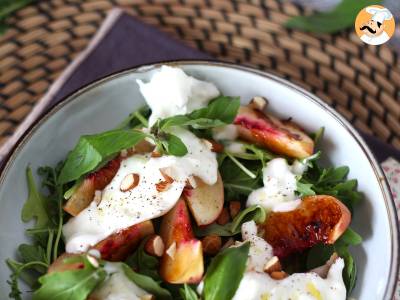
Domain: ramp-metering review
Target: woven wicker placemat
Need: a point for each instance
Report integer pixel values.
(361, 82)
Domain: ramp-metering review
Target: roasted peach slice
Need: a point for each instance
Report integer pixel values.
(318, 219)
(205, 201)
(281, 137)
(182, 261)
(59, 265)
(84, 193)
(120, 245)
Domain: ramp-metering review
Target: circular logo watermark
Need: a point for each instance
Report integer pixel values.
(375, 25)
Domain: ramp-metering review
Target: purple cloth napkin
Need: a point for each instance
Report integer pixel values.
(130, 43)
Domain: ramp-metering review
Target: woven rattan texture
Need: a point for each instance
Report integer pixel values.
(361, 82)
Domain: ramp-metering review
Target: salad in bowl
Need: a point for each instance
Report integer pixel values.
(193, 196)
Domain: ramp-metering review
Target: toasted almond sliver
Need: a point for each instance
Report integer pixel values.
(164, 185)
(93, 261)
(258, 102)
(273, 265)
(278, 275)
(155, 246)
(97, 197)
(129, 182)
(171, 250)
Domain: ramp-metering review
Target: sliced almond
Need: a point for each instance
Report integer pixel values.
(323, 270)
(191, 182)
(273, 265)
(97, 197)
(129, 182)
(165, 184)
(234, 208)
(213, 145)
(93, 261)
(211, 244)
(171, 250)
(258, 102)
(155, 154)
(228, 243)
(155, 246)
(147, 297)
(124, 153)
(279, 275)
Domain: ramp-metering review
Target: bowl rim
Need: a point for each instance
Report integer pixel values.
(383, 184)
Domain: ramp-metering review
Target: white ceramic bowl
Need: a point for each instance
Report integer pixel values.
(102, 105)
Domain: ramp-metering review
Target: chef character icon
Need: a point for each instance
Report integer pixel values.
(374, 30)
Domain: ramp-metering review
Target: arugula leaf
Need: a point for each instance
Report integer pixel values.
(350, 237)
(147, 283)
(187, 293)
(255, 213)
(318, 135)
(341, 17)
(92, 150)
(144, 263)
(237, 182)
(35, 206)
(74, 284)
(304, 189)
(330, 181)
(225, 273)
(30, 253)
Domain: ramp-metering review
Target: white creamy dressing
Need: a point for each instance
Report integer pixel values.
(117, 286)
(119, 210)
(300, 286)
(171, 92)
(280, 184)
(227, 132)
(235, 147)
(260, 251)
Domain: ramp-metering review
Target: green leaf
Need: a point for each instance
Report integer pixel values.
(225, 273)
(30, 253)
(318, 135)
(318, 255)
(255, 213)
(187, 293)
(67, 285)
(304, 189)
(350, 237)
(175, 146)
(136, 119)
(35, 205)
(144, 263)
(238, 183)
(92, 150)
(220, 111)
(147, 283)
(223, 108)
(341, 17)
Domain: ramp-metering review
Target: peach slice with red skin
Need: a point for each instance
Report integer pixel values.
(60, 265)
(205, 201)
(118, 246)
(84, 193)
(281, 137)
(182, 261)
(318, 219)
